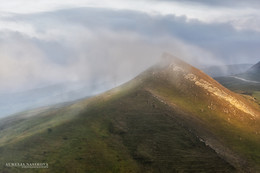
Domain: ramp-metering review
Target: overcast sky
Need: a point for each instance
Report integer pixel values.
(45, 42)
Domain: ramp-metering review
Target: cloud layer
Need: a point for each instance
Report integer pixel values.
(48, 43)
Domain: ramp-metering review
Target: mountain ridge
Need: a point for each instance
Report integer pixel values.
(200, 79)
(154, 119)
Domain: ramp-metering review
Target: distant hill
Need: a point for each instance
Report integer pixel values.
(255, 68)
(247, 83)
(170, 118)
(252, 74)
(226, 70)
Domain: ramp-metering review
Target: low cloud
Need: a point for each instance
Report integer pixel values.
(104, 57)
(95, 45)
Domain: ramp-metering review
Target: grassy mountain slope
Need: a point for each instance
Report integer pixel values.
(171, 118)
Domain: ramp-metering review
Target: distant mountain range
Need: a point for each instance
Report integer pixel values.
(170, 118)
(226, 70)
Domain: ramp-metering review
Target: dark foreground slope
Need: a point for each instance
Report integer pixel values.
(171, 118)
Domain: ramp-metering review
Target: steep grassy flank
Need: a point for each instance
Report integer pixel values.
(132, 133)
(20, 126)
(232, 133)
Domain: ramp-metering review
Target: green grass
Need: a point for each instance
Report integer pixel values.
(142, 135)
(238, 132)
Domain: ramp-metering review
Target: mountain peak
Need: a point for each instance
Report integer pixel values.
(167, 57)
(170, 60)
(190, 80)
